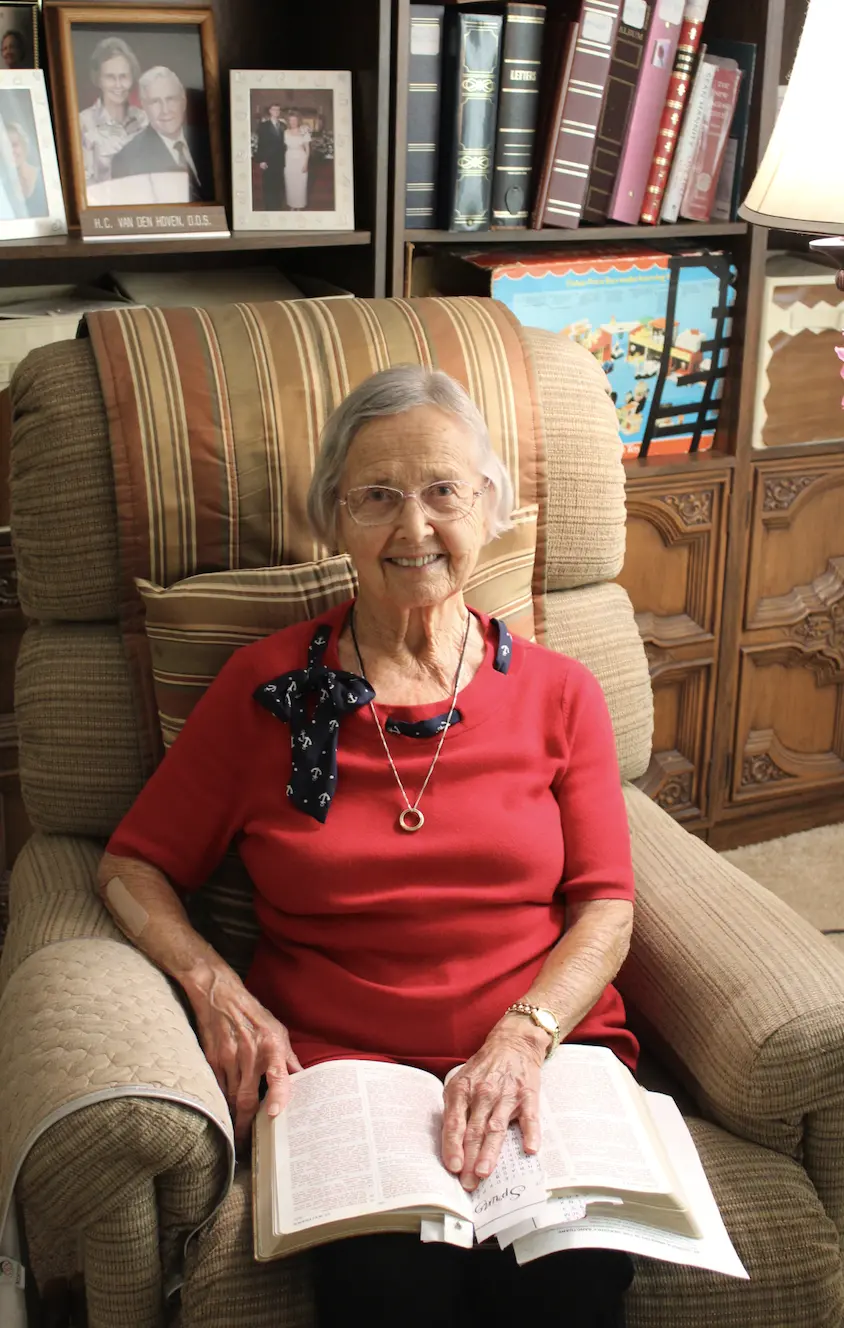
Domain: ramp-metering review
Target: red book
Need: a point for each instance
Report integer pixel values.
(709, 154)
(675, 104)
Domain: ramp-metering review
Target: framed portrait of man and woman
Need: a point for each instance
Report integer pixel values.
(141, 114)
(292, 150)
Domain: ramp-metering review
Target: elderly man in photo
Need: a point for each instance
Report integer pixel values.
(167, 144)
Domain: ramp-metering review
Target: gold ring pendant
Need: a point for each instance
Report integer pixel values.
(418, 821)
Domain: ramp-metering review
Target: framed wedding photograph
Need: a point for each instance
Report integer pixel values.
(141, 147)
(292, 166)
(19, 35)
(31, 202)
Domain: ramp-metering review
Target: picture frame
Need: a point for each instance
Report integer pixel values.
(19, 37)
(292, 162)
(31, 201)
(138, 101)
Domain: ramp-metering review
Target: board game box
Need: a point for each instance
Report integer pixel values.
(658, 323)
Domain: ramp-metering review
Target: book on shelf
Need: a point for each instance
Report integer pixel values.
(636, 155)
(624, 71)
(552, 121)
(573, 148)
(356, 1151)
(728, 192)
(693, 122)
(471, 69)
(658, 323)
(518, 107)
(670, 124)
(708, 158)
(424, 88)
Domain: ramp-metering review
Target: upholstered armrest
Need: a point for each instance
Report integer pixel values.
(53, 897)
(746, 996)
(105, 1089)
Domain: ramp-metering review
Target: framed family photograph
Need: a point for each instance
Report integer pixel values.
(31, 203)
(292, 163)
(19, 36)
(141, 147)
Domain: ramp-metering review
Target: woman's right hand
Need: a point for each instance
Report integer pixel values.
(242, 1041)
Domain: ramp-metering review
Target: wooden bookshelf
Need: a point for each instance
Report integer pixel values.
(747, 740)
(252, 34)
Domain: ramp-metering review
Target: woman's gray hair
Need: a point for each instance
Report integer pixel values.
(108, 49)
(392, 392)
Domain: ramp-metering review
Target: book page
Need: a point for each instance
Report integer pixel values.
(359, 1137)
(713, 1249)
(515, 1190)
(593, 1127)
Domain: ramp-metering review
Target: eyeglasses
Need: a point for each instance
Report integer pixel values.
(444, 500)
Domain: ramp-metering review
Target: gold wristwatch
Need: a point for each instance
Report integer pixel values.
(544, 1019)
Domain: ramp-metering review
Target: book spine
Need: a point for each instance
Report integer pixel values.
(518, 106)
(423, 115)
(638, 150)
(703, 177)
(470, 77)
(672, 112)
(581, 113)
(744, 53)
(553, 124)
(691, 131)
(625, 68)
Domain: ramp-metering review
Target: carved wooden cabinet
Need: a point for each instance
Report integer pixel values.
(789, 737)
(674, 573)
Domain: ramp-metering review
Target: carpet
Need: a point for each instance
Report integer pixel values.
(805, 870)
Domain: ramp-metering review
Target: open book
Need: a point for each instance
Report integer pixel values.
(357, 1150)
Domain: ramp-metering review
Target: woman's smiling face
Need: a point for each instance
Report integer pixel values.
(414, 560)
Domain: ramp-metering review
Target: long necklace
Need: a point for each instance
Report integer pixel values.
(411, 818)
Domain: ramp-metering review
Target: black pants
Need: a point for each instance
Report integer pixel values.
(394, 1281)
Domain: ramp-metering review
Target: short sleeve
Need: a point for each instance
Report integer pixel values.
(191, 808)
(596, 835)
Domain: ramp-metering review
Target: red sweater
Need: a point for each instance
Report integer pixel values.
(378, 943)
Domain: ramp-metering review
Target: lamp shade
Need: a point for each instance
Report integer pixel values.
(800, 183)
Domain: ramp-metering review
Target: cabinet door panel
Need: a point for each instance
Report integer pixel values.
(673, 573)
(790, 719)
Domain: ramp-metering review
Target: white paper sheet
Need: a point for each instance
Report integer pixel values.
(514, 1191)
(712, 1250)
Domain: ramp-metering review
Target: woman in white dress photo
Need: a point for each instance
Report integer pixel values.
(297, 141)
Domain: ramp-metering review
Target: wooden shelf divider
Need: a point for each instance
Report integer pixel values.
(61, 247)
(682, 230)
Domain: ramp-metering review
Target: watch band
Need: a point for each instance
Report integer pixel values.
(549, 1023)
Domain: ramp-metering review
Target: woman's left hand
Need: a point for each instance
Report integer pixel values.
(500, 1083)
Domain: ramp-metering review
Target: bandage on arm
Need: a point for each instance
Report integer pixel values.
(148, 911)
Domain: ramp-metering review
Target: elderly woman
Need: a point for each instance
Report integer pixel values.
(113, 120)
(431, 814)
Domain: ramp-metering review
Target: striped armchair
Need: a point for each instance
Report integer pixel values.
(112, 1127)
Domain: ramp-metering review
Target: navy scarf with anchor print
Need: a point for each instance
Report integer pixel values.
(314, 699)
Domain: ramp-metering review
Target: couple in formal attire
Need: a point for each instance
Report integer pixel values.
(283, 156)
(121, 140)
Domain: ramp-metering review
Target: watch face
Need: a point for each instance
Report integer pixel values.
(547, 1021)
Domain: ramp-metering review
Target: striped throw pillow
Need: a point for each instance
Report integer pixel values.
(194, 625)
